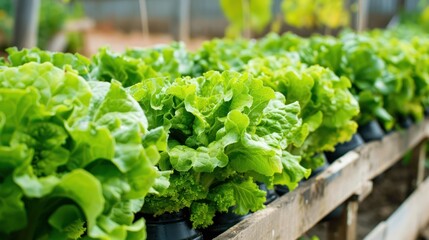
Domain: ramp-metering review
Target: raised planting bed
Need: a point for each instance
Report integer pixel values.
(347, 180)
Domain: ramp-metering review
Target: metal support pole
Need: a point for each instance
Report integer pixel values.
(246, 19)
(184, 20)
(26, 23)
(362, 15)
(144, 18)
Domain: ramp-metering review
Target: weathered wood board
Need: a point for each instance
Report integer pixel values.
(408, 220)
(296, 212)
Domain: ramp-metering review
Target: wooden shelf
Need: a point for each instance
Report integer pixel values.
(408, 220)
(293, 214)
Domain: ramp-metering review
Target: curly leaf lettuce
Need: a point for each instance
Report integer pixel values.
(76, 61)
(73, 154)
(327, 105)
(226, 129)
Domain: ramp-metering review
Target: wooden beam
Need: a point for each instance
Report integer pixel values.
(296, 212)
(364, 191)
(377, 233)
(381, 155)
(408, 220)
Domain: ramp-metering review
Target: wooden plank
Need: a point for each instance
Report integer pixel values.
(294, 213)
(408, 220)
(377, 233)
(411, 216)
(364, 191)
(381, 155)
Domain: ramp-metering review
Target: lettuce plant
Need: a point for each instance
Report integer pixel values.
(224, 54)
(225, 131)
(328, 107)
(404, 63)
(76, 158)
(78, 62)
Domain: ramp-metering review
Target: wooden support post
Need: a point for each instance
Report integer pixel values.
(401, 6)
(344, 228)
(417, 166)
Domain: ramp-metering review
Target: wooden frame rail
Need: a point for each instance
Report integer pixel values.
(293, 214)
(408, 220)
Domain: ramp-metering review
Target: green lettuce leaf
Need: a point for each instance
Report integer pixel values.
(73, 159)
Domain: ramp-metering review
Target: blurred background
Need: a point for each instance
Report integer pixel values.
(85, 25)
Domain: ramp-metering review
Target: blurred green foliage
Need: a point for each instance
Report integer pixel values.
(246, 15)
(256, 15)
(315, 13)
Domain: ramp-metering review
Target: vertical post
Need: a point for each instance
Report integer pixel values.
(183, 33)
(401, 5)
(246, 19)
(362, 15)
(26, 23)
(417, 166)
(344, 227)
(144, 18)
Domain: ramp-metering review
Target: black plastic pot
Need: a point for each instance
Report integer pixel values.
(343, 148)
(281, 189)
(170, 226)
(405, 121)
(222, 222)
(371, 131)
(271, 193)
(426, 112)
(319, 170)
(378, 179)
(336, 213)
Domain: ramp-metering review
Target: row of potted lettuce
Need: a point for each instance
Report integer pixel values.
(156, 131)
